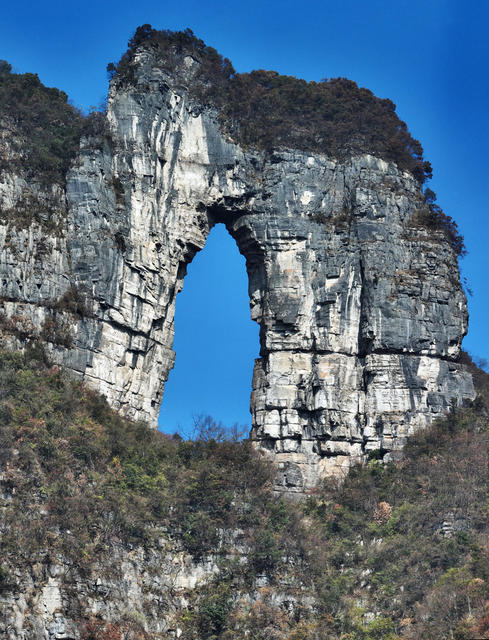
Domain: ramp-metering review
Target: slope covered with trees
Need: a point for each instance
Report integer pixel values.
(46, 128)
(396, 551)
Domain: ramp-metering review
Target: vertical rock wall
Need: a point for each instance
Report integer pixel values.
(361, 309)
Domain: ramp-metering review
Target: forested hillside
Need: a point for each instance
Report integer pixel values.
(396, 551)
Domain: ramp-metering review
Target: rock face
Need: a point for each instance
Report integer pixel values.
(147, 589)
(360, 308)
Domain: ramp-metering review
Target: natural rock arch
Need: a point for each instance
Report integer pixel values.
(361, 311)
(359, 314)
(216, 343)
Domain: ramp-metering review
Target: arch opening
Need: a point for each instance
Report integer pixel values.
(216, 342)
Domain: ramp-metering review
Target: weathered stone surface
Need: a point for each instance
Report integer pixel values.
(145, 588)
(145, 592)
(361, 312)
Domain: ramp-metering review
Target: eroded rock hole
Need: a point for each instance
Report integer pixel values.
(216, 342)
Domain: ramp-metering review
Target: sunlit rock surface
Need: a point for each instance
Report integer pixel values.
(361, 311)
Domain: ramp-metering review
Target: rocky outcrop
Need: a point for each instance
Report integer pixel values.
(360, 307)
(143, 592)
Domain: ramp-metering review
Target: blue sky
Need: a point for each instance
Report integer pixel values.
(430, 57)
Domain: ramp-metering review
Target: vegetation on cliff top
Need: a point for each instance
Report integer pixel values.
(397, 551)
(47, 128)
(269, 110)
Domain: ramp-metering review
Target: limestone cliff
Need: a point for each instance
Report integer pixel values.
(360, 307)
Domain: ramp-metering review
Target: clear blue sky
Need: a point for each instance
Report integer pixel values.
(429, 56)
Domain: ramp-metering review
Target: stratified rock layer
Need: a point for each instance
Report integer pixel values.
(361, 310)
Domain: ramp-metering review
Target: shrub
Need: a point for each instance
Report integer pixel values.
(432, 216)
(75, 300)
(213, 612)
